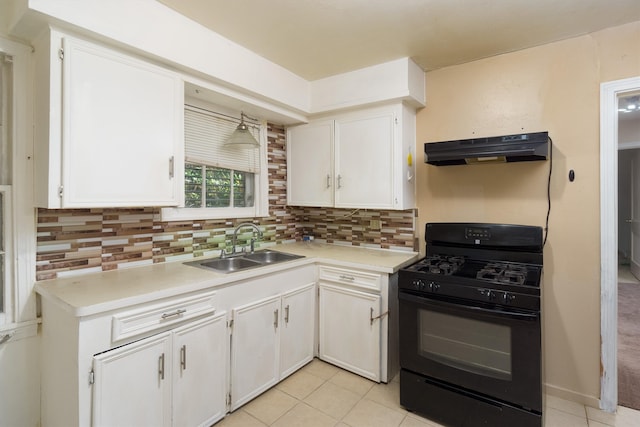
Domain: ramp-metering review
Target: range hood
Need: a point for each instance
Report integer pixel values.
(523, 147)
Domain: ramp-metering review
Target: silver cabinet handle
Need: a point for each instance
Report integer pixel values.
(286, 314)
(339, 181)
(275, 318)
(328, 181)
(175, 313)
(183, 357)
(372, 318)
(349, 278)
(161, 366)
(171, 167)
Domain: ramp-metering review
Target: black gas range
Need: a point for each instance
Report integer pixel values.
(470, 326)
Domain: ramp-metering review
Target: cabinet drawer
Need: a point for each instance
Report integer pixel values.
(152, 317)
(357, 278)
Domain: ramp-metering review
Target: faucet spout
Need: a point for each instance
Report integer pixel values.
(242, 225)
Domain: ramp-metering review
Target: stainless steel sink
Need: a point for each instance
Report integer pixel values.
(227, 265)
(241, 262)
(270, 257)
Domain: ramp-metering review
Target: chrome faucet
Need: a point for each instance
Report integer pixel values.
(235, 235)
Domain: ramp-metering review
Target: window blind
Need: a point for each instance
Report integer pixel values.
(205, 133)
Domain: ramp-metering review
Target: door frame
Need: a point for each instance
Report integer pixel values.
(609, 93)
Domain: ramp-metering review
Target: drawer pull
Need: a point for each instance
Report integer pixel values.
(286, 314)
(372, 318)
(345, 277)
(179, 312)
(275, 318)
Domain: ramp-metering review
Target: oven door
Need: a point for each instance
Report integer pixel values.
(492, 351)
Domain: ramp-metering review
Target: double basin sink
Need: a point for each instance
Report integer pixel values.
(243, 261)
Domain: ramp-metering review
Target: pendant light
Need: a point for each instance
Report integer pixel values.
(242, 136)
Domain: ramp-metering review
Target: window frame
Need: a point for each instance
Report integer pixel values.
(260, 207)
(6, 249)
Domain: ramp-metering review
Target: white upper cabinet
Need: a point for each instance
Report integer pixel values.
(310, 179)
(361, 159)
(109, 128)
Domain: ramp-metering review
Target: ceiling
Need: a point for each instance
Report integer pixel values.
(320, 38)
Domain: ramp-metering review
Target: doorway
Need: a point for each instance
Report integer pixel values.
(610, 93)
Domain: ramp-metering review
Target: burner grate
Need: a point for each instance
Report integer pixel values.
(503, 273)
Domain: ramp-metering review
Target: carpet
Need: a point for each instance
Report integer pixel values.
(629, 345)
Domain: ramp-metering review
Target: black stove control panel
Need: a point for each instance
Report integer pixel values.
(475, 233)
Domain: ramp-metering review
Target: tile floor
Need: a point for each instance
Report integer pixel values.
(322, 395)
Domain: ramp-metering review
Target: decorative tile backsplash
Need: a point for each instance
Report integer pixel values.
(80, 241)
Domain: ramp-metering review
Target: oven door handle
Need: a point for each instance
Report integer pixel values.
(494, 312)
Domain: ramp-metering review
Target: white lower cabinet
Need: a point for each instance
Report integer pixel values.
(270, 339)
(172, 378)
(349, 329)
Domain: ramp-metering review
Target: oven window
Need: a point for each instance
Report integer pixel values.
(471, 345)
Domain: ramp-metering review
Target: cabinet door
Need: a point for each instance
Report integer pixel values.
(310, 180)
(297, 332)
(132, 384)
(122, 130)
(349, 330)
(364, 161)
(254, 349)
(199, 379)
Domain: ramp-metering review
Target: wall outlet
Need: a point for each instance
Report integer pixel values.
(374, 224)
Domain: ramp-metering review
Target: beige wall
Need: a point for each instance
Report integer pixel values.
(552, 88)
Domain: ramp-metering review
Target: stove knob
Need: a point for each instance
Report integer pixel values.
(418, 284)
(487, 293)
(434, 287)
(507, 297)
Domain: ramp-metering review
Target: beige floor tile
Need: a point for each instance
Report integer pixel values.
(320, 369)
(367, 413)
(624, 417)
(303, 415)
(563, 405)
(593, 423)
(556, 418)
(239, 418)
(412, 420)
(353, 382)
(387, 395)
(270, 406)
(333, 400)
(300, 384)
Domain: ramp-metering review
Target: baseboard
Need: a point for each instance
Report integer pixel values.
(572, 396)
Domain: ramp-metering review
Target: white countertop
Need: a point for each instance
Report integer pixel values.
(94, 293)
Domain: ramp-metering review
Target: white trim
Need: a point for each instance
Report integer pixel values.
(609, 93)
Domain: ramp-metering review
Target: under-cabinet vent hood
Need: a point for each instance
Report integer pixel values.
(510, 148)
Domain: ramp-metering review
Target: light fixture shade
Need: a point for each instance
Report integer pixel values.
(242, 136)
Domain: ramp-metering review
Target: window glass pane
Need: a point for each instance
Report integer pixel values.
(243, 189)
(218, 188)
(192, 186)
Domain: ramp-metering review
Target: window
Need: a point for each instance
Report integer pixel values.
(6, 241)
(220, 181)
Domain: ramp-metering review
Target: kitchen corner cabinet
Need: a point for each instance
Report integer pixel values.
(173, 378)
(361, 159)
(109, 127)
(271, 338)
